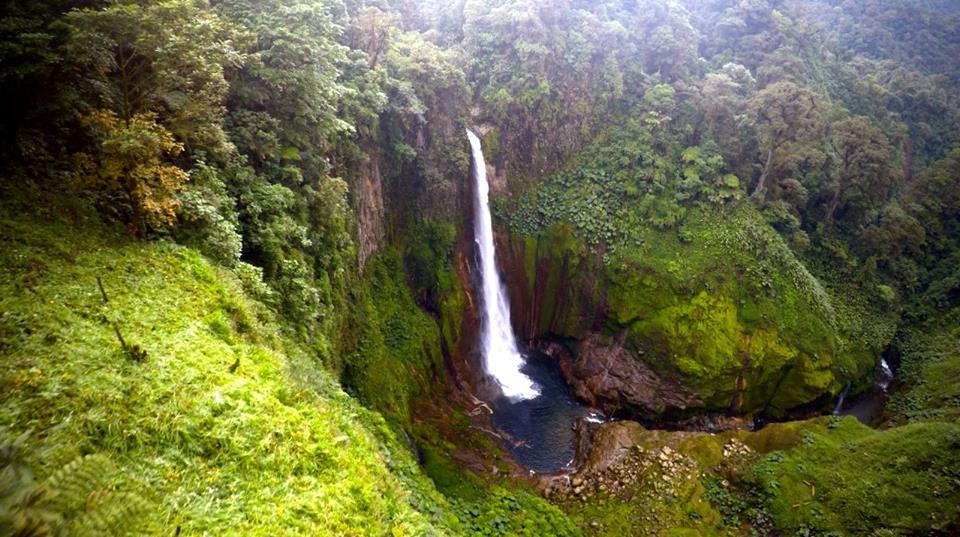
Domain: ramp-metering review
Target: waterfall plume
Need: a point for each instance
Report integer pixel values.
(501, 357)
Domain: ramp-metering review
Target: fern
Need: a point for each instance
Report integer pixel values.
(71, 485)
(114, 513)
(76, 500)
(22, 513)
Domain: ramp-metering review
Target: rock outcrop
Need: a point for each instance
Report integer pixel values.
(610, 377)
(368, 194)
(695, 330)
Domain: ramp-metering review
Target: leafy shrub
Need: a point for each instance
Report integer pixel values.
(206, 218)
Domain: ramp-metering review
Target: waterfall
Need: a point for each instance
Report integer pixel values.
(501, 358)
(843, 395)
(884, 376)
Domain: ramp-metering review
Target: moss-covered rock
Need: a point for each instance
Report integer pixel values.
(824, 476)
(846, 478)
(723, 306)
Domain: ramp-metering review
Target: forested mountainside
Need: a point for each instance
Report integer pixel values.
(241, 290)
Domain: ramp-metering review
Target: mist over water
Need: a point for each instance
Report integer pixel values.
(501, 358)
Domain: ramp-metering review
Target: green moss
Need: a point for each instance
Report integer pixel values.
(828, 476)
(530, 256)
(428, 262)
(398, 353)
(452, 307)
(850, 479)
(728, 310)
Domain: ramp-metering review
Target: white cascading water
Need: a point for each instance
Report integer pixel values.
(885, 376)
(501, 358)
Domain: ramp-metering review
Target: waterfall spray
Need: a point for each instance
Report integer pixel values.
(501, 358)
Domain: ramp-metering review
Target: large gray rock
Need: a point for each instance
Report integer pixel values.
(612, 378)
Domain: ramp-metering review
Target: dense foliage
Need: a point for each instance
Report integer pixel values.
(763, 194)
(252, 129)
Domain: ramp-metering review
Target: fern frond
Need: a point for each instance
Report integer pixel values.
(116, 513)
(71, 486)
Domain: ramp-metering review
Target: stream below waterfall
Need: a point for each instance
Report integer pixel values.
(868, 406)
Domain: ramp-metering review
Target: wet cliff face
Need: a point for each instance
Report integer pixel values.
(370, 209)
(679, 329)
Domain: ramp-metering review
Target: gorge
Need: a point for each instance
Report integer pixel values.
(496, 268)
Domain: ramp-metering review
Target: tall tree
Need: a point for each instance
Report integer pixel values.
(788, 117)
(865, 174)
(166, 59)
(128, 171)
(284, 101)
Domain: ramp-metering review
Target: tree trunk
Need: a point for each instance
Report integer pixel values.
(834, 204)
(761, 184)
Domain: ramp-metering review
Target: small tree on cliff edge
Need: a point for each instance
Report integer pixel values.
(129, 170)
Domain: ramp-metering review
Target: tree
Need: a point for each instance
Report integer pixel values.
(37, 87)
(669, 42)
(420, 130)
(865, 175)
(934, 200)
(722, 103)
(164, 59)
(128, 171)
(788, 117)
(285, 99)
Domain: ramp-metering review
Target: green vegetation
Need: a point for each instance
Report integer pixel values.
(398, 354)
(706, 288)
(829, 476)
(227, 425)
(234, 243)
(851, 480)
(929, 369)
(491, 510)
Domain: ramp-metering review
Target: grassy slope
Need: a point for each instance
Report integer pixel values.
(930, 371)
(819, 477)
(274, 448)
(851, 479)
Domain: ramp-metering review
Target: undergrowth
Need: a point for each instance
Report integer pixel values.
(227, 427)
(847, 479)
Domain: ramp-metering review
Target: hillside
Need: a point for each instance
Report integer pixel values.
(227, 424)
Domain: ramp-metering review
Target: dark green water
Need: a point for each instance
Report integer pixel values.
(541, 428)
